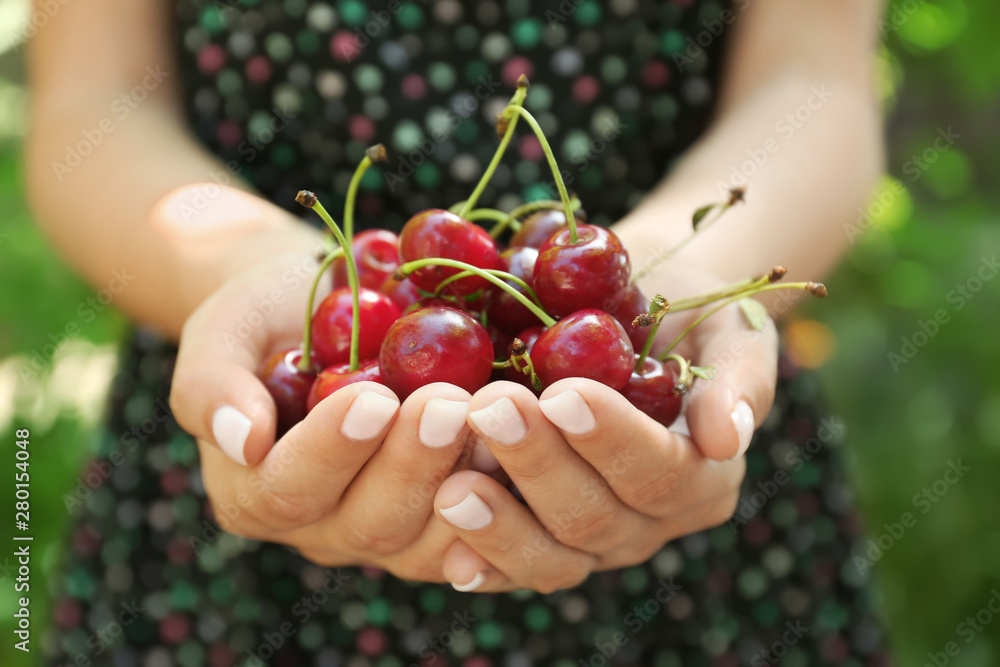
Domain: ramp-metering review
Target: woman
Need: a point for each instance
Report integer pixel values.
(161, 151)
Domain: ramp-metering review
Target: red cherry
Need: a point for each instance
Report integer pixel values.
(288, 385)
(626, 310)
(505, 311)
(403, 292)
(331, 325)
(435, 344)
(439, 233)
(588, 344)
(592, 273)
(333, 378)
(528, 337)
(652, 392)
(501, 342)
(538, 227)
(376, 253)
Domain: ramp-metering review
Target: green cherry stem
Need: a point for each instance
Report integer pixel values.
(305, 362)
(816, 289)
(685, 378)
(508, 133)
(309, 200)
(373, 154)
(499, 274)
(658, 307)
(485, 214)
(512, 219)
(556, 175)
(410, 267)
(776, 274)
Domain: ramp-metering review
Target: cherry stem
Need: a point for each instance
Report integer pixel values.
(658, 307)
(685, 378)
(309, 200)
(511, 219)
(499, 274)
(776, 274)
(519, 351)
(556, 176)
(508, 133)
(305, 363)
(410, 267)
(485, 214)
(373, 154)
(816, 289)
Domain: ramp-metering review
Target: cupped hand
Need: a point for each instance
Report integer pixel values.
(606, 486)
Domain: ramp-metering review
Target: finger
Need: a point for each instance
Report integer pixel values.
(303, 477)
(507, 535)
(568, 496)
(723, 413)
(467, 571)
(388, 504)
(651, 469)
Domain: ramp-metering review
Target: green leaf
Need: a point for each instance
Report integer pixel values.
(755, 313)
(704, 372)
(700, 214)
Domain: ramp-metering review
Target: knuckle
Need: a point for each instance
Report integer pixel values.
(655, 492)
(363, 538)
(562, 581)
(286, 510)
(598, 529)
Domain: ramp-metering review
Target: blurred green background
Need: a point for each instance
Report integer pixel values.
(925, 238)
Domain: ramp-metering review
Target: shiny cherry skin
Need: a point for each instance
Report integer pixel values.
(333, 378)
(504, 311)
(652, 392)
(528, 337)
(625, 311)
(403, 292)
(288, 385)
(435, 344)
(538, 227)
(588, 344)
(331, 325)
(439, 233)
(592, 273)
(376, 253)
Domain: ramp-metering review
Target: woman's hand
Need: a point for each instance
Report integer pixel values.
(605, 485)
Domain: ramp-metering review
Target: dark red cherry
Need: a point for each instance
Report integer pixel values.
(331, 325)
(288, 386)
(652, 392)
(588, 344)
(528, 337)
(625, 311)
(440, 233)
(376, 253)
(501, 342)
(505, 311)
(538, 227)
(333, 378)
(592, 273)
(403, 292)
(435, 344)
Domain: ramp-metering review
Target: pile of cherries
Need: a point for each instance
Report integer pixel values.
(445, 302)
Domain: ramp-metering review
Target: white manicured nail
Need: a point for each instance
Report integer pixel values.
(476, 582)
(483, 459)
(501, 422)
(231, 428)
(441, 422)
(369, 413)
(569, 412)
(470, 514)
(743, 420)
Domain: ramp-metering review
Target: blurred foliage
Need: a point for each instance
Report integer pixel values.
(927, 233)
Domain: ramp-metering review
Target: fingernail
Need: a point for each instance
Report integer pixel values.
(501, 422)
(470, 514)
(231, 428)
(369, 413)
(743, 420)
(476, 582)
(569, 412)
(441, 422)
(483, 459)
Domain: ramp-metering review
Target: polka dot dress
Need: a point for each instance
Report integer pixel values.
(288, 94)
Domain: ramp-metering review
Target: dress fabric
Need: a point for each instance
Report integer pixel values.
(288, 94)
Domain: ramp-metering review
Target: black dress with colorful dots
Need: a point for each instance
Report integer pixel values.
(288, 94)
